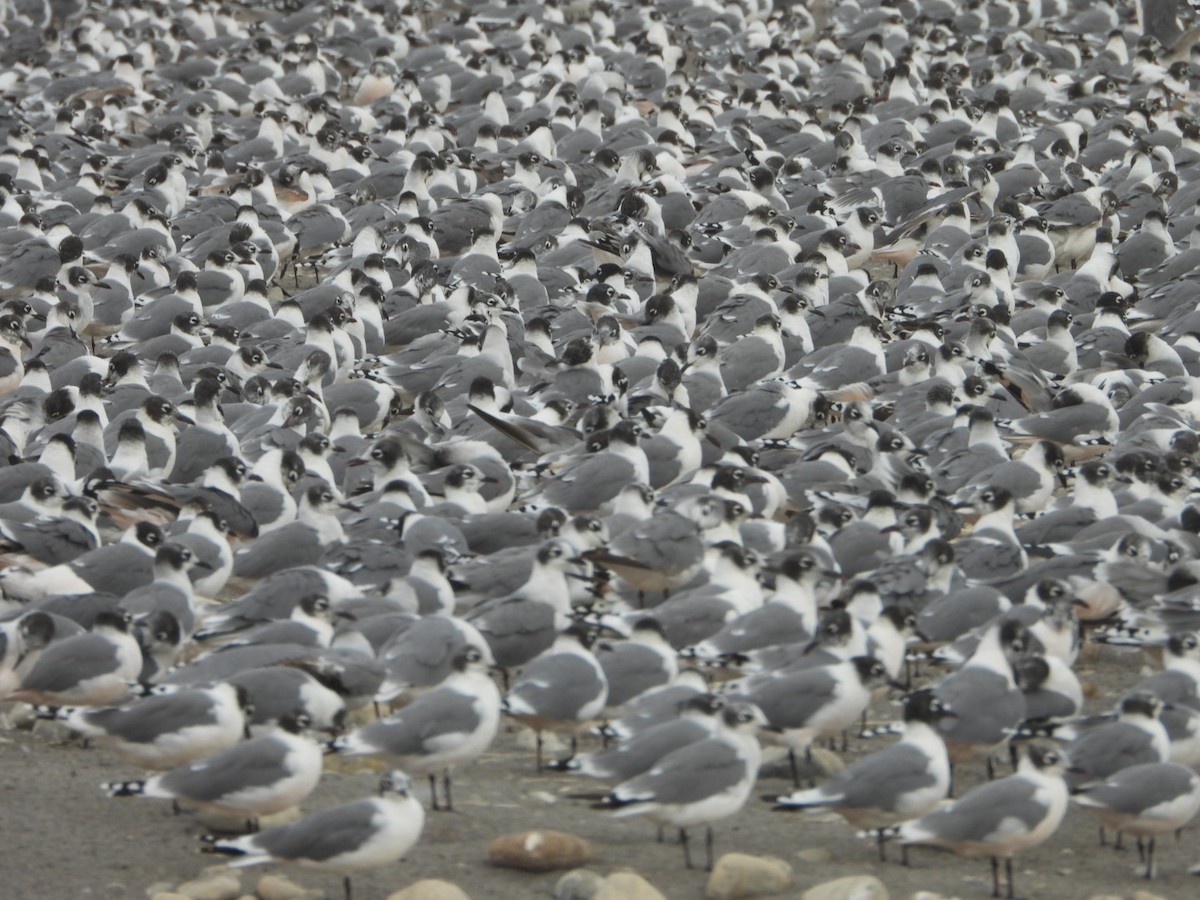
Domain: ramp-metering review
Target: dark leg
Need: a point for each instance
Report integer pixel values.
(1102, 841)
(950, 790)
(881, 844)
(176, 809)
(846, 735)
(795, 768)
(433, 804)
(346, 885)
(448, 804)
(574, 745)
(660, 834)
(995, 877)
(1141, 849)
(1150, 858)
(904, 855)
(708, 847)
(687, 853)
(1008, 875)
(539, 751)
(991, 772)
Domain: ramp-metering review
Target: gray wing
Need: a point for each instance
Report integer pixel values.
(881, 779)
(1178, 688)
(323, 835)
(424, 653)
(976, 816)
(790, 701)
(769, 625)
(273, 691)
(263, 503)
(149, 719)
(691, 619)
(258, 762)
(232, 660)
(430, 716)
(280, 549)
(115, 568)
(517, 629)
(1107, 749)
(663, 456)
(65, 664)
(55, 541)
(667, 542)
(988, 706)
(592, 482)
(558, 686)
(745, 362)
(984, 560)
(1139, 788)
(689, 775)
(749, 414)
(644, 749)
(195, 451)
(629, 670)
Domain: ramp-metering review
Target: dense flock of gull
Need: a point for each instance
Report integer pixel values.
(675, 371)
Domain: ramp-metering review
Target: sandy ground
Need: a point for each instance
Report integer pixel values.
(62, 839)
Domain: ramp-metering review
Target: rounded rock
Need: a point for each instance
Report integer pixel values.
(578, 884)
(852, 887)
(539, 851)
(738, 876)
(215, 887)
(277, 887)
(431, 889)
(627, 886)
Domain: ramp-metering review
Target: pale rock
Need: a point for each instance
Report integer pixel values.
(539, 851)
(277, 887)
(431, 889)
(578, 884)
(1147, 895)
(738, 876)
(852, 887)
(627, 886)
(224, 886)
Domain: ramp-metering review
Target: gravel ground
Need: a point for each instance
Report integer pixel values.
(63, 839)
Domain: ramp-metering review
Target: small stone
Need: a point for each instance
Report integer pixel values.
(853, 887)
(627, 886)
(814, 855)
(160, 887)
(215, 887)
(277, 887)
(737, 876)
(1146, 895)
(539, 851)
(926, 895)
(431, 889)
(578, 884)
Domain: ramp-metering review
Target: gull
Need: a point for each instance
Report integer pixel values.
(362, 834)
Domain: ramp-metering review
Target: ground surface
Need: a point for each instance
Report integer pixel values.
(62, 839)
